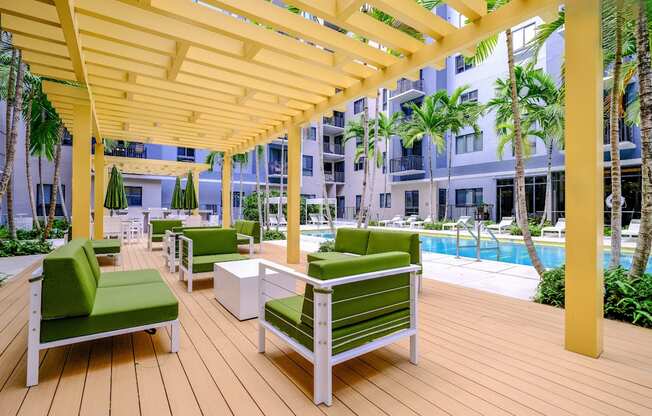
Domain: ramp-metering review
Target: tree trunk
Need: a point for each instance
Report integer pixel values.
(279, 207)
(375, 157)
(265, 155)
(450, 171)
(28, 170)
(241, 199)
(11, 108)
(547, 210)
(10, 139)
(518, 155)
(259, 203)
(431, 180)
(55, 185)
(41, 187)
(320, 157)
(616, 186)
(64, 208)
(365, 144)
(642, 252)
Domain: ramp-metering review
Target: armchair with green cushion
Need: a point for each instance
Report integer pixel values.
(249, 232)
(157, 229)
(108, 247)
(351, 242)
(349, 306)
(72, 301)
(171, 245)
(200, 249)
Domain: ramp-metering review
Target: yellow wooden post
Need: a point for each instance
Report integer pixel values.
(81, 171)
(227, 172)
(98, 224)
(294, 195)
(195, 177)
(584, 178)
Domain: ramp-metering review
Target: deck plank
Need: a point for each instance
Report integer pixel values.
(480, 353)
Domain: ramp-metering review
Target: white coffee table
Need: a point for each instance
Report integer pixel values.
(235, 284)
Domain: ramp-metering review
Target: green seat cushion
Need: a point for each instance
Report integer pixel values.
(130, 277)
(351, 240)
(116, 308)
(356, 302)
(384, 241)
(157, 238)
(212, 241)
(328, 255)
(161, 226)
(285, 314)
(69, 285)
(182, 229)
(203, 264)
(242, 241)
(106, 246)
(92, 259)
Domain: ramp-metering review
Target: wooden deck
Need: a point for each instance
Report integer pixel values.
(480, 354)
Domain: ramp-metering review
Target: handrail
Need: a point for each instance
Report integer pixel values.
(478, 239)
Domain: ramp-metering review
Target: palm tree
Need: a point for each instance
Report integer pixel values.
(258, 152)
(644, 242)
(55, 184)
(44, 135)
(27, 116)
(241, 159)
(354, 130)
(427, 121)
(389, 126)
(320, 161)
(213, 160)
(10, 97)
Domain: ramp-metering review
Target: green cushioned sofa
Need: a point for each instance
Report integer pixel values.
(157, 229)
(200, 249)
(248, 232)
(350, 306)
(72, 301)
(171, 245)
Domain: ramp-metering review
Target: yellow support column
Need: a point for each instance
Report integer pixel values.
(195, 179)
(227, 171)
(294, 195)
(81, 171)
(584, 178)
(98, 224)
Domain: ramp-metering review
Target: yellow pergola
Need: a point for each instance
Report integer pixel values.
(231, 74)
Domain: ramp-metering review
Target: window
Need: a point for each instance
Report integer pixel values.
(307, 165)
(384, 162)
(462, 64)
(466, 197)
(358, 203)
(185, 154)
(385, 200)
(385, 94)
(411, 202)
(523, 35)
(236, 199)
(311, 133)
(469, 96)
(468, 143)
(359, 164)
(134, 196)
(358, 106)
(47, 190)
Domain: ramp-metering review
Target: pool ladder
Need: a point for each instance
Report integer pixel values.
(477, 236)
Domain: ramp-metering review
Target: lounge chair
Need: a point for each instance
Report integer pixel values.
(632, 229)
(387, 223)
(505, 223)
(199, 250)
(464, 219)
(72, 301)
(406, 222)
(157, 229)
(349, 307)
(558, 228)
(314, 219)
(171, 245)
(419, 224)
(249, 232)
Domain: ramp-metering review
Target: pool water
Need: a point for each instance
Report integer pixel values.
(510, 252)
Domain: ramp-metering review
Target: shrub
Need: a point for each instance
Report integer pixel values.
(273, 235)
(625, 299)
(533, 225)
(433, 226)
(10, 248)
(327, 246)
(373, 223)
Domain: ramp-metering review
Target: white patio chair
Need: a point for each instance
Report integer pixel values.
(558, 228)
(464, 219)
(387, 223)
(420, 224)
(322, 219)
(505, 223)
(632, 229)
(282, 222)
(112, 227)
(314, 219)
(273, 220)
(407, 223)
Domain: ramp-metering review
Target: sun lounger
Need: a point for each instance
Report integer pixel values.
(632, 229)
(464, 219)
(558, 228)
(387, 223)
(505, 223)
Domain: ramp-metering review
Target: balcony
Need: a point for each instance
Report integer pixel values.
(333, 152)
(625, 139)
(406, 165)
(407, 90)
(133, 150)
(335, 124)
(274, 169)
(334, 177)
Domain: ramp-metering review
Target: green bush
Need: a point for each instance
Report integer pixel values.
(34, 234)
(273, 235)
(625, 299)
(10, 248)
(433, 226)
(327, 246)
(373, 223)
(533, 225)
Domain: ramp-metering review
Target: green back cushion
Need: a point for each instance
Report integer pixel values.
(238, 226)
(68, 282)
(351, 240)
(384, 241)
(361, 301)
(250, 228)
(160, 226)
(212, 241)
(92, 260)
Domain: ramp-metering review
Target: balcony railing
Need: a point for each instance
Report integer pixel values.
(337, 120)
(185, 158)
(335, 148)
(274, 168)
(406, 163)
(625, 132)
(334, 177)
(133, 150)
(405, 85)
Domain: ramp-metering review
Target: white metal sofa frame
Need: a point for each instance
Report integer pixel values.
(34, 344)
(321, 357)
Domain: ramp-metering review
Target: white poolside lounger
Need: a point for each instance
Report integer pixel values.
(464, 219)
(558, 228)
(632, 229)
(505, 223)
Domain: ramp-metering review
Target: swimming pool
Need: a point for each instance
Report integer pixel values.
(510, 252)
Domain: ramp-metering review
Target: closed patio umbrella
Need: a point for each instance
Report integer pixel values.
(189, 196)
(115, 192)
(177, 196)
